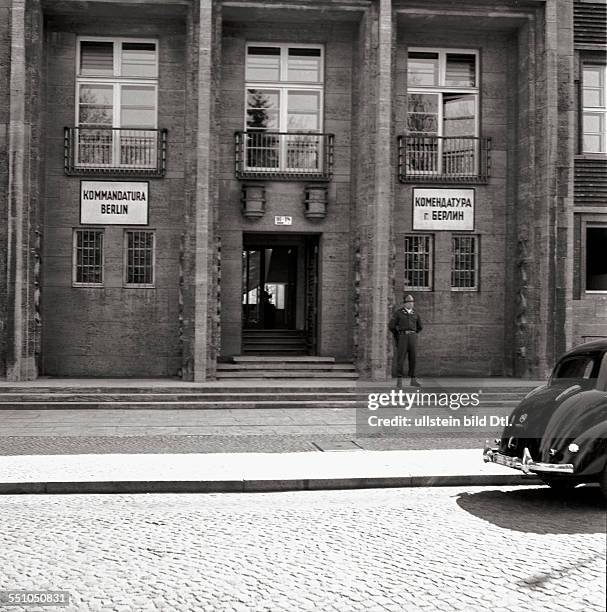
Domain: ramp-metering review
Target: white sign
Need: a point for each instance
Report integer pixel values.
(443, 209)
(282, 220)
(113, 203)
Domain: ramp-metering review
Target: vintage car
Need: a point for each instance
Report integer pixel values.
(559, 430)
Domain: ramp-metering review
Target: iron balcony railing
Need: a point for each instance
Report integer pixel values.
(283, 155)
(126, 151)
(435, 159)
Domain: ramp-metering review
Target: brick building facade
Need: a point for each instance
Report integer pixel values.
(183, 181)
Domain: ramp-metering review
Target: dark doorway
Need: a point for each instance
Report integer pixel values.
(279, 293)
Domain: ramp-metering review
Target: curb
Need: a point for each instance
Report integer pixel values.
(260, 486)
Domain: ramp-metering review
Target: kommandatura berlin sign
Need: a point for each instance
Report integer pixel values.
(443, 209)
(114, 202)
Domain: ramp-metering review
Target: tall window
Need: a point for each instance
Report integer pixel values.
(594, 100)
(284, 101)
(139, 258)
(442, 111)
(464, 263)
(418, 262)
(117, 85)
(87, 258)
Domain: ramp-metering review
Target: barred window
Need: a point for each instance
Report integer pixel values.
(418, 262)
(464, 263)
(139, 258)
(87, 257)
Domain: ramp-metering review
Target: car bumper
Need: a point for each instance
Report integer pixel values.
(525, 464)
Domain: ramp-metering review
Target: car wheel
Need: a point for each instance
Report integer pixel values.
(559, 484)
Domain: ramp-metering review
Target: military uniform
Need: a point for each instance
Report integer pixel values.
(404, 327)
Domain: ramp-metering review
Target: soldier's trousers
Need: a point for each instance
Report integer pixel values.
(404, 346)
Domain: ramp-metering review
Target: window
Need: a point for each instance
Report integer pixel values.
(442, 112)
(594, 101)
(596, 258)
(139, 258)
(579, 367)
(418, 262)
(117, 83)
(464, 263)
(87, 258)
(284, 101)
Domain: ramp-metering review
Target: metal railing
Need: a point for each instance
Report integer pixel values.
(283, 155)
(453, 159)
(102, 150)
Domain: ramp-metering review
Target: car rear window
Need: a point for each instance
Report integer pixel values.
(580, 367)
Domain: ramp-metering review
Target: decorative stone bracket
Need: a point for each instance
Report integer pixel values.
(316, 200)
(253, 201)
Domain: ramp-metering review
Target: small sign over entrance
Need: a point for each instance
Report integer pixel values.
(283, 220)
(443, 209)
(114, 203)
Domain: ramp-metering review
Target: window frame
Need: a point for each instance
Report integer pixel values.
(602, 111)
(477, 249)
(283, 87)
(431, 252)
(117, 82)
(440, 90)
(125, 260)
(75, 282)
(125, 264)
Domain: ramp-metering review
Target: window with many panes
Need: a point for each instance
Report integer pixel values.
(464, 263)
(418, 261)
(87, 268)
(139, 258)
(442, 111)
(116, 110)
(284, 101)
(594, 101)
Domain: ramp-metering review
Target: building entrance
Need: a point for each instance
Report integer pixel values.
(279, 293)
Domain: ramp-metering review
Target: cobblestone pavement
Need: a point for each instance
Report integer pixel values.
(500, 549)
(79, 445)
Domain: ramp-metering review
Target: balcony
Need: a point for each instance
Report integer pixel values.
(283, 155)
(443, 159)
(115, 151)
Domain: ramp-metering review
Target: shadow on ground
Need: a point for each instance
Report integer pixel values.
(540, 510)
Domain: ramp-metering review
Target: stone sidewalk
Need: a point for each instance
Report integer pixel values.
(246, 472)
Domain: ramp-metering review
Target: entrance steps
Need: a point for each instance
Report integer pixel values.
(246, 393)
(274, 342)
(286, 367)
(228, 394)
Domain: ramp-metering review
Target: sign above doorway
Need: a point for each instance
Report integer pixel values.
(283, 220)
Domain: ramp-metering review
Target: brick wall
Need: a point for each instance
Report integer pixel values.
(111, 331)
(465, 332)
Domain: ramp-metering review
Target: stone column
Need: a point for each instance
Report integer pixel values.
(374, 188)
(200, 318)
(20, 324)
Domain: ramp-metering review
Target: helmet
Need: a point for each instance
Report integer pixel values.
(409, 298)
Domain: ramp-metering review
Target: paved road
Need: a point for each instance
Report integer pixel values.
(499, 549)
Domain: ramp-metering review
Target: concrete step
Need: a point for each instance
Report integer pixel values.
(307, 367)
(287, 359)
(286, 374)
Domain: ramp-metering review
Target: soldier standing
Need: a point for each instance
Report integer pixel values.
(405, 324)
